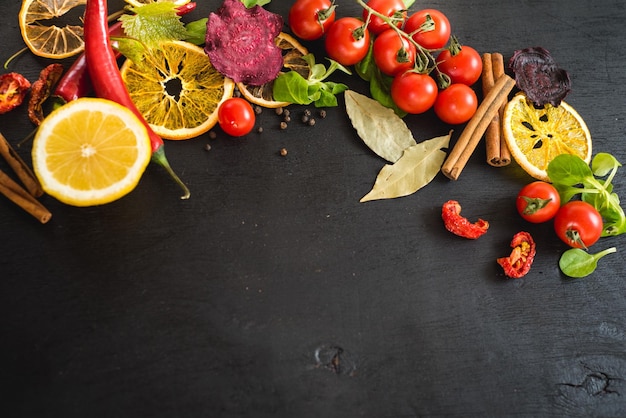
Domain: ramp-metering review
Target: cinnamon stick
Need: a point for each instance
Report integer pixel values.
(497, 61)
(23, 171)
(18, 195)
(476, 127)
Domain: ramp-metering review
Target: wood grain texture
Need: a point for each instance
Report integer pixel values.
(273, 292)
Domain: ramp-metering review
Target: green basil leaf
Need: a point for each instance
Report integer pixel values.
(291, 87)
(196, 31)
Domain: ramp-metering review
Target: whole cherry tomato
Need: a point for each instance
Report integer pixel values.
(394, 9)
(347, 41)
(464, 66)
(393, 53)
(538, 202)
(434, 38)
(236, 116)
(578, 224)
(456, 104)
(310, 19)
(414, 92)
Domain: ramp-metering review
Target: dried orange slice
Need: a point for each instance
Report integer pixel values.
(177, 89)
(90, 152)
(536, 136)
(293, 52)
(49, 40)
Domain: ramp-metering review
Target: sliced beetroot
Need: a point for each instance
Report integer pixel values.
(538, 75)
(240, 42)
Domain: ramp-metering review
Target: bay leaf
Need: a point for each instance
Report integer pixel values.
(379, 127)
(417, 167)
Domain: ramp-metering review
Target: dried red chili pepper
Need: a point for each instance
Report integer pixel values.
(518, 263)
(40, 91)
(13, 89)
(458, 225)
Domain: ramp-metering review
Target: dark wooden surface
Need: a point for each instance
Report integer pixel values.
(274, 292)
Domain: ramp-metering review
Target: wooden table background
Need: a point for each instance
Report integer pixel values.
(273, 292)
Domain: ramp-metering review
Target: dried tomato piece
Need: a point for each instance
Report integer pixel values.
(458, 225)
(13, 89)
(41, 90)
(518, 263)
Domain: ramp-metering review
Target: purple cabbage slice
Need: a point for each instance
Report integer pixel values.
(240, 42)
(539, 77)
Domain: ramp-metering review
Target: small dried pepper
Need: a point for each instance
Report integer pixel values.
(458, 225)
(13, 90)
(518, 263)
(41, 90)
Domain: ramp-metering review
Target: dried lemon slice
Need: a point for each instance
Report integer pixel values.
(536, 136)
(177, 89)
(50, 41)
(90, 152)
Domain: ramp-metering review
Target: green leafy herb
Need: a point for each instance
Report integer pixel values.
(408, 3)
(294, 88)
(252, 3)
(572, 176)
(578, 263)
(154, 23)
(196, 31)
(417, 167)
(378, 126)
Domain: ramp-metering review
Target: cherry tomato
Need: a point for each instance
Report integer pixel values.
(464, 67)
(347, 41)
(538, 202)
(414, 92)
(310, 19)
(236, 116)
(392, 8)
(578, 224)
(456, 104)
(393, 54)
(430, 39)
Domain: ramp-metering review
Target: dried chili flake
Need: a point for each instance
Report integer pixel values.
(13, 90)
(458, 225)
(41, 90)
(518, 263)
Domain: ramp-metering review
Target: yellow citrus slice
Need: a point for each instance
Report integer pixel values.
(137, 3)
(177, 89)
(536, 135)
(45, 39)
(293, 52)
(90, 152)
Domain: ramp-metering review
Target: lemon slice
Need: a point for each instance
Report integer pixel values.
(536, 135)
(49, 40)
(177, 89)
(293, 52)
(90, 152)
(137, 3)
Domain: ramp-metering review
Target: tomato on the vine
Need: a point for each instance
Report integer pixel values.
(434, 38)
(578, 224)
(310, 19)
(414, 92)
(394, 9)
(393, 54)
(236, 116)
(347, 41)
(456, 104)
(464, 66)
(538, 202)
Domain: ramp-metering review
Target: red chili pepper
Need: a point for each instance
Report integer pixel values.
(76, 81)
(518, 263)
(107, 80)
(13, 90)
(458, 225)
